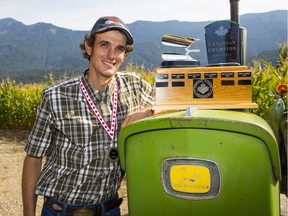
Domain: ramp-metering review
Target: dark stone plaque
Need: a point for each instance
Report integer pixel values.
(223, 43)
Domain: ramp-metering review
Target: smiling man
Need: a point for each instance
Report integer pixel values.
(77, 126)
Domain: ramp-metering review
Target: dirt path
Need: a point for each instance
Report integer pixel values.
(11, 160)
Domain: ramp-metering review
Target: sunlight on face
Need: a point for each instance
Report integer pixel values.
(107, 54)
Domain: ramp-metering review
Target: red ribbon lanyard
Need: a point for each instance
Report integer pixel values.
(110, 131)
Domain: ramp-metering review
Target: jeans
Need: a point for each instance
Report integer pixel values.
(48, 211)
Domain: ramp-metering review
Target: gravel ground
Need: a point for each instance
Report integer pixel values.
(11, 161)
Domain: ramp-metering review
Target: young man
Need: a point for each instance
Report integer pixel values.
(76, 129)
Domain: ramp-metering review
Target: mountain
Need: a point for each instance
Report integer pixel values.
(28, 52)
(42, 47)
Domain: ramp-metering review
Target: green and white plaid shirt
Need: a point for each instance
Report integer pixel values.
(77, 169)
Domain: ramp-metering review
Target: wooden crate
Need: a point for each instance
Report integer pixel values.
(204, 87)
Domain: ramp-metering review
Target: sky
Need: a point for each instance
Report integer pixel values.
(82, 14)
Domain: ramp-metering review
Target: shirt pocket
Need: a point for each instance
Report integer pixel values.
(77, 129)
(73, 143)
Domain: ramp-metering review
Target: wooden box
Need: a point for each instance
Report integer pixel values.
(204, 87)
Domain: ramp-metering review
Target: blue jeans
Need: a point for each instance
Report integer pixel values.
(48, 211)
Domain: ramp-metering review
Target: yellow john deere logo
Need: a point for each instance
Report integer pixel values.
(190, 178)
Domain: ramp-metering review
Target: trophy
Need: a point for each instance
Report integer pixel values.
(173, 59)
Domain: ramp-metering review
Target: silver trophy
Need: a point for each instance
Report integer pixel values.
(176, 41)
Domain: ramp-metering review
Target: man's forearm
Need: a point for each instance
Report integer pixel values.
(30, 176)
(144, 113)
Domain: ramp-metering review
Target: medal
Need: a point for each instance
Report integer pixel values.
(113, 154)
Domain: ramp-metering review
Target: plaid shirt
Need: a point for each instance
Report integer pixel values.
(77, 169)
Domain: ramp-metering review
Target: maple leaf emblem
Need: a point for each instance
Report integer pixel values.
(203, 88)
(221, 31)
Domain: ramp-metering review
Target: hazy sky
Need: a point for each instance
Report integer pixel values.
(82, 14)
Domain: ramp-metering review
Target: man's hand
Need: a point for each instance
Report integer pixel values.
(144, 113)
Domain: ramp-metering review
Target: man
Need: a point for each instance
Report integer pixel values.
(76, 129)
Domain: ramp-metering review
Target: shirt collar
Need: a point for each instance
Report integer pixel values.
(108, 90)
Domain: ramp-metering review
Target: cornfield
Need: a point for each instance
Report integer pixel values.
(18, 104)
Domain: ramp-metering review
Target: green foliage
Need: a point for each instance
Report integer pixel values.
(147, 75)
(266, 78)
(18, 104)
